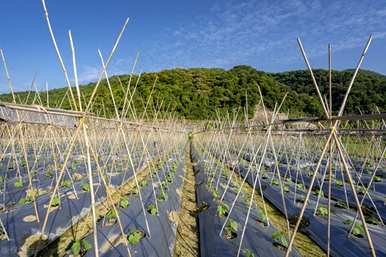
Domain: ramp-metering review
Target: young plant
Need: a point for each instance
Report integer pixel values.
(34, 172)
(339, 182)
(279, 239)
(135, 236)
(261, 217)
(152, 209)
(124, 202)
(164, 185)
(24, 200)
(360, 189)
(169, 178)
(143, 183)
(85, 187)
(111, 216)
(358, 230)
(248, 253)
(322, 211)
(318, 192)
(55, 201)
(80, 247)
(161, 196)
(73, 167)
(216, 194)
(275, 182)
(300, 186)
(18, 183)
(231, 229)
(66, 183)
(222, 210)
(377, 179)
(340, 204)
(371, 219)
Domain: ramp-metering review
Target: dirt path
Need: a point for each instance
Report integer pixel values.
(187, 235)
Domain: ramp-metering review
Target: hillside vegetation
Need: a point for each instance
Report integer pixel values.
(200, 93)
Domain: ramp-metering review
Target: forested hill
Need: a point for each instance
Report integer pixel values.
(197, 93)
(369, 89)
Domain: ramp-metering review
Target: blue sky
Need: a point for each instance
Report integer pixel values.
(197, 33)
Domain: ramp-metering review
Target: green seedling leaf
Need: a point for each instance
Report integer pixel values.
(85, 187)
(143, 183)
(124, 202)
(222, 210)
(322, 211)
(152, 209)
(278, 238)
(231, 229)
(135, 236)
(216, 194)
(248, 253)
(18, 183)
(261, 217)
(66, 183)
(55, 201)
(111, 214)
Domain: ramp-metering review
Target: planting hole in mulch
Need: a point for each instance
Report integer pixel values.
(2, 234)
(222, 210)
(71, 195)
(29, 218)
(303, 224)
(152, 210)
(279, 240)
(231, 228)
(203, 207)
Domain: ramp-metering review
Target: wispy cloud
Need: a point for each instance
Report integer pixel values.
(88, 74)
(117, 66)
(258, 32)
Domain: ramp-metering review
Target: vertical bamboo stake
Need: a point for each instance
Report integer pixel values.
(7, 75)
(90, 178)
(86, 138)
(48, 98)
(58, 54)
(330, 159)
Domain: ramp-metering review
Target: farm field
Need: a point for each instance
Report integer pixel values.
(190, 162)
(250, 187)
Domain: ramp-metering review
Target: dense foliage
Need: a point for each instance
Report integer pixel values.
(368, 91)
(199, 93)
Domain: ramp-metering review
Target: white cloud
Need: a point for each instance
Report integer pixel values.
(261, 31)
(88, 74)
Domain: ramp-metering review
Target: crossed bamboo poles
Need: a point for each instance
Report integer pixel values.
(268, 143)
(333, 137)
(83, 129)
(333, 144)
